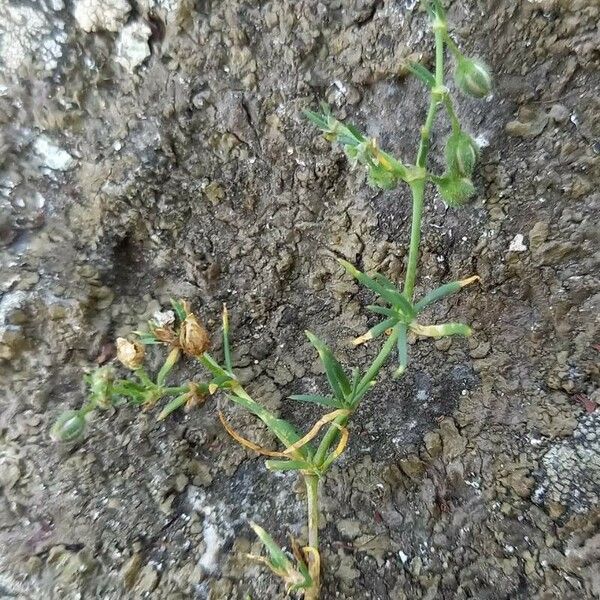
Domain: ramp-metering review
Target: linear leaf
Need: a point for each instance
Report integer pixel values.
(179, 309)
(382, 310)
(376, 331)
(425, 75)
(333, 369)
(287, 465)
(443, 291)
(317, 119)
(278, 558)
(402, 345)
(172, 406)
(394, 297)
(315, 399)
(355, 132)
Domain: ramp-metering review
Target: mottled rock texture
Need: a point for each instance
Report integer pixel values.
(155, 148)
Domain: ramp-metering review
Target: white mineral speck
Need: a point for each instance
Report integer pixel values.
(208, 561)
(132, 45)
(517, 244)
(52, 156)
(99, 15)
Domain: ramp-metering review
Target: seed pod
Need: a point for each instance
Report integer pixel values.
(473, 78)
(461, 153)
(455, 190)
(68, 427)
(130, 354)
(193, 337)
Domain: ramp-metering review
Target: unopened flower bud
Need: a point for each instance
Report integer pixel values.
(461, 153)
(130, 354)
(455, 190)
(473, 78)
(68, 427)
(100, 382)
(193, 337)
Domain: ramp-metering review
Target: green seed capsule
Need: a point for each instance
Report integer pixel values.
(68, 427)
(473, 78)
(455, 190)
(461, 153)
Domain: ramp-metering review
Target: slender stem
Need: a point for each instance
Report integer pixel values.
(418, 192)
(331, 434)
(440, 34)
(314, 567)
(375, 367)
(87, 408)
(418, 186)
(452, 114)
(175, 391)
(143, 377)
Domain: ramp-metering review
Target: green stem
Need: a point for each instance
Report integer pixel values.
(88, 407)
(174, 391)
(418, 186)
(453, 118)
(418, 193)
(312, 498)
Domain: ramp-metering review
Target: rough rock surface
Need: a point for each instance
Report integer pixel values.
(155, 148)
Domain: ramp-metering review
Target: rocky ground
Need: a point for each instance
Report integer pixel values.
(155, 148)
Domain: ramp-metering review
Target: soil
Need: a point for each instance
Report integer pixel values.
(156, 148)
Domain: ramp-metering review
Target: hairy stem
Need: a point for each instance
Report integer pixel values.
(314, 566)
(418, 186)
(418, 193)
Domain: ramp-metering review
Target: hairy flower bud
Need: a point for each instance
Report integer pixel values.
(130, 354)
(193, 337)
(461, 153)
(455, 190)
(100, 382)
(68, 427)
(473, 78)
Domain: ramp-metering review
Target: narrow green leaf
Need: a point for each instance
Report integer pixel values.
(179, 310)
(385, 282)
(172, 406)
(333, 369)
(425, 75)
(146, 338)
(322, 400)
(287, 465)
(376, 331)
(394, 297)
(402, 344)
(226, 348)
(317, 119)
(285, 432)
(382, 310)
(359, 394)
(355, 132)
(355, 380)
(442, 292)
(213, 366)
(278, 557)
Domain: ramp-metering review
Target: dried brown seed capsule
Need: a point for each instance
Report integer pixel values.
(130, 354)
(193, 337)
